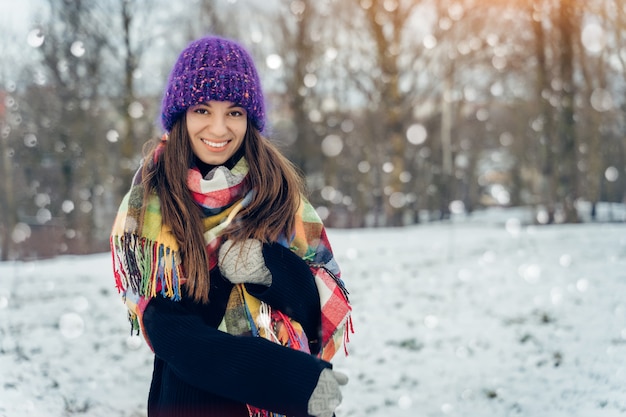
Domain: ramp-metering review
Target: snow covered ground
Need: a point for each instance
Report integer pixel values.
(480, 318)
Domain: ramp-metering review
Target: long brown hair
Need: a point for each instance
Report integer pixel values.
(277, 187)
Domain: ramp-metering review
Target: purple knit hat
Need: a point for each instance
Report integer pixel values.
(213, 68)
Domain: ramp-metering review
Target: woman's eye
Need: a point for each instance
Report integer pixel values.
(236, 113)
(201, 110)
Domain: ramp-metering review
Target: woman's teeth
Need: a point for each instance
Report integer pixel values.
(214, 144)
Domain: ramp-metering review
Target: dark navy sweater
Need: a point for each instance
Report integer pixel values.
(202, 371)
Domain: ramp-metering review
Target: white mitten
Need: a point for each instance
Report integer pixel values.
(326, 396)
(243, 262)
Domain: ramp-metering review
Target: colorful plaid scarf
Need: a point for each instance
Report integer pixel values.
(146, 261)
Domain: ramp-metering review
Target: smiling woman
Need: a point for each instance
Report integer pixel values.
(219, 255)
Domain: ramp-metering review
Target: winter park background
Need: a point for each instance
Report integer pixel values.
(487, 317)
(468, 157)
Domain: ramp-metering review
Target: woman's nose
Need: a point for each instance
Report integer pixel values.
(218, 127)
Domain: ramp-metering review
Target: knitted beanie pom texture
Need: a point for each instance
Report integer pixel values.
(213, 68)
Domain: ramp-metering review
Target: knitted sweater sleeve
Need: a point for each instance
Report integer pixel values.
(293, 290)
(250, 370)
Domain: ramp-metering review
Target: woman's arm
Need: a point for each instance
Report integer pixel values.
(293, 290)
(310, 292)
(251, 370)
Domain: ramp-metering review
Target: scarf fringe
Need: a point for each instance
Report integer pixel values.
(257, 412)
(294, 339)
(146, 267)
(346, 336)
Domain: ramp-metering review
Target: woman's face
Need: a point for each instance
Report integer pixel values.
(216, 130)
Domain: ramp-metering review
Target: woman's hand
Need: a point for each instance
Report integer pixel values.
(243, 262)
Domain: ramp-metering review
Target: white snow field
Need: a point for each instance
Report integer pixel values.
(482, 318)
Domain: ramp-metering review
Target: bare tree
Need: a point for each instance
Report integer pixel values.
(537, 13)
(600, 62)
(568, 23)
(130, 55)
(73, 59)
(387, 26)
(10, 132)
(130, 48)
(8, 203)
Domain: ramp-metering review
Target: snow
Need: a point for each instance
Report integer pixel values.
(481, 317)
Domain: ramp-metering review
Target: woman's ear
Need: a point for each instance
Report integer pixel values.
(165, 137)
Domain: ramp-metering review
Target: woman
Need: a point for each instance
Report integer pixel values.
(224, 265)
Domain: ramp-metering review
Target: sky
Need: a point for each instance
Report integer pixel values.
(16, 15)
(15, 24)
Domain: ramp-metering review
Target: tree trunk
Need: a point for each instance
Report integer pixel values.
(128, 141)
(547, 186)
(447, 169)
(567, 132)
(8, 209)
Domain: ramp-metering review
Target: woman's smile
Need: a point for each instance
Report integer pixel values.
(214, 144)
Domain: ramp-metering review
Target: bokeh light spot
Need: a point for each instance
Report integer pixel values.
(416, 134)
(332, 145)
(71, 325)
(35, 38)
